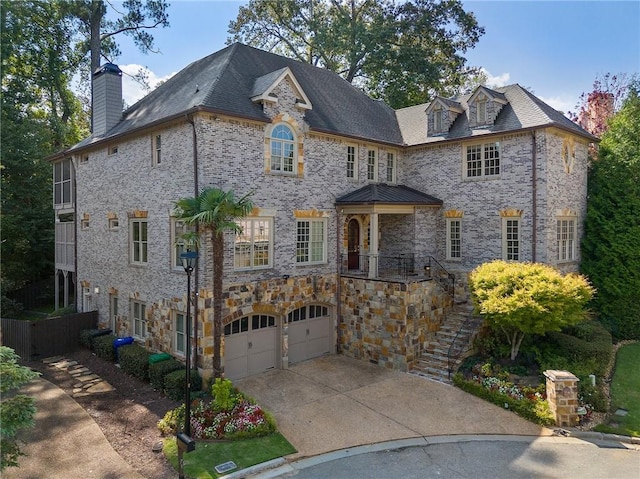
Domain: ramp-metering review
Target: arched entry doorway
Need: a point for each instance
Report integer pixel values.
(354, 244)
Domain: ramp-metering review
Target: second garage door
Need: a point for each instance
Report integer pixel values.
(310, 333)
(250, 346)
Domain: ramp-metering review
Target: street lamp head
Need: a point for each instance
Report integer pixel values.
(189, 259)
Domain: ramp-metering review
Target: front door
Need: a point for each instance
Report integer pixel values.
(354, 244)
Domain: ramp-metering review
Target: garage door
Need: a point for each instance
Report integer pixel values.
(310, 333)
(250, 346)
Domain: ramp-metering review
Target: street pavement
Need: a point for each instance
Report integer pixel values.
(472, 457)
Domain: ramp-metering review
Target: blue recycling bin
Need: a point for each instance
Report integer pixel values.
(121, 342)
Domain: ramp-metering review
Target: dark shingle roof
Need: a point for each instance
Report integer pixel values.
(523, 110)
(381, 193)
(226, 80)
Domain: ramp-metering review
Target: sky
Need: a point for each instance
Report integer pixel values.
(555, 48)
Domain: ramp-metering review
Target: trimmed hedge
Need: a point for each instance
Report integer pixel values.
(86, 338)
(159, 370)
(537, 411)
(103, 347)
(134, 360)
(174, 384)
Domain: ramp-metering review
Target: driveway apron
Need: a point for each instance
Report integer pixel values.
(335, 402)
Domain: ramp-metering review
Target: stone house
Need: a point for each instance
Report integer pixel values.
(366, 219)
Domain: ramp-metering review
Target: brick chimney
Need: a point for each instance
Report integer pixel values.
(107, 98)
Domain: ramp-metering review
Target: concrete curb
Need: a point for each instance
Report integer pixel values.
(279, 467)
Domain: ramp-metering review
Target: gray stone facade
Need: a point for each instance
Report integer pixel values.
(118, 183)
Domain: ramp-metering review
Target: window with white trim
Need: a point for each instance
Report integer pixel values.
(482, 160)
(566, 236)
(352, 163)
(311, 241)
(113, 313)
(437, 119)
(157, 149)
(138, 241)
(282, 150)
(178, 229)
(391, 167)
(454, 238)
(254, 245)
(372, 166)
(113, 224)
(481, 111)
(511, 239)
(180, 336)
(139, 319)
(62, 191)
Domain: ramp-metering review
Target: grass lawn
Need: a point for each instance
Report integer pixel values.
(200, 463)
(625, 393)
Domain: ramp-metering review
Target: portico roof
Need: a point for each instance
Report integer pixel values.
(386, 199)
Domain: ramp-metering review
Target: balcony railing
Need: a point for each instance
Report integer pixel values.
(404, 267)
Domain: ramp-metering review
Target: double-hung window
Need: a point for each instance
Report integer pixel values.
(179, 228)
(372, 166)
(138, 241)
(62, 182)
(282, 150)
(437, 119)
(482, 160)
(138, 312)
(157, 149)
(391, 167)
(113, 313)
(352, 165)
(566, 235)
(481, 111)
(311, 241)
(180, 339)
(253, 246)
(454, 238)
(511, 239)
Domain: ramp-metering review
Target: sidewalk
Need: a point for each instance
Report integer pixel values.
(65, 442)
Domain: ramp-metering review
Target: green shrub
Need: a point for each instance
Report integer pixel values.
(134, 360)
(173, 417)
(224, 398)
(535, 411)
(86, 338)
(159, 370)
(594, 396)
(62, 311)
(103, 347)
(174, 384)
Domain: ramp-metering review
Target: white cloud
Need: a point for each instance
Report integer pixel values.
(132, 91)
(496, 81)
(561, 103)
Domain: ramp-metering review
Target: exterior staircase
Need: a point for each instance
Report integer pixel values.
(450, 344)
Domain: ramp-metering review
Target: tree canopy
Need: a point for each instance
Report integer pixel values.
(527, 298)
(611, 248)
(400, 52)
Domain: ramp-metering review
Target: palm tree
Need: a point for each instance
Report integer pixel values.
(215, 211)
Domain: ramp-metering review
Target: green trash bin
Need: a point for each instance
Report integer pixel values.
(156, 358)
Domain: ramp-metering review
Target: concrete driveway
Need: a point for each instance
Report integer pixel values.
(335, 402)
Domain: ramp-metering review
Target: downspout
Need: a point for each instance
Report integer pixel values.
(534, 194)
(338, 284)
(196, 279)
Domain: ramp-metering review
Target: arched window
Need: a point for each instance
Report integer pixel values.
(282, 149)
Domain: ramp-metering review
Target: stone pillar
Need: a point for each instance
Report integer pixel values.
(373, 246)
(562, 396)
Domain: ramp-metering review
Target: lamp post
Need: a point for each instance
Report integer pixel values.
(184, 441)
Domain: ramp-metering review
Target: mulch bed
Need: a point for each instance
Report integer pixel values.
(127, 416)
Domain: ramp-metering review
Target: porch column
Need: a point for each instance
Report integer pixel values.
(56, 288)
(373, 246)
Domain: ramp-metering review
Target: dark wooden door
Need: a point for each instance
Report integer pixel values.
(354, 244)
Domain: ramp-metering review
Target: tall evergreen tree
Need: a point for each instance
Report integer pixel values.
(611, 245)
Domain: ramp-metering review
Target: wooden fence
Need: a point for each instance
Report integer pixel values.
(39, 339)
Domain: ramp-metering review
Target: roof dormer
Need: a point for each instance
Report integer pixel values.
(264, 86)
(484, 105)
(441, 113)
